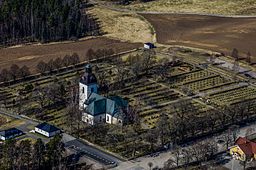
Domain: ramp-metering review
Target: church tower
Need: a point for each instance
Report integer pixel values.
(87, 85)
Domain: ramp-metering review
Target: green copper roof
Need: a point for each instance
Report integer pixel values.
(100, 105)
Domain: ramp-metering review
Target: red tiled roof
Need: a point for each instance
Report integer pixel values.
(241, 140)
(247, 146)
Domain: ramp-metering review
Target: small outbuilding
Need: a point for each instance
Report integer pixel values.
(149, 45)
(47, 130)
(10, 133)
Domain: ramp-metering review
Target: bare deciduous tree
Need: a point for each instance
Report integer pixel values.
(42, 67)
(74, 59)
(5, 75)
(15, 71)
(51, 65)
(177, 154)
(90, 54)
(57, 63)
(150, 165)
(66, 60)
(73, 112)
(148, 59)
(248, 57)
(41, 96)
(24, 72)
(234, 54)
(151, 138)
(227, 137)
(121, 75)
(163, 128)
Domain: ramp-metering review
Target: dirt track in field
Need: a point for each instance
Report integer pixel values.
(208, 32)
(30, 55)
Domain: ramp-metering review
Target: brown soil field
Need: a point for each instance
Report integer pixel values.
(207, 32)
(30, 55)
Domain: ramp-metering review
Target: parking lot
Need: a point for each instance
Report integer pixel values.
(92, 153)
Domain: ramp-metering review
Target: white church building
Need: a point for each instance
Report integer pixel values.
(96, 108)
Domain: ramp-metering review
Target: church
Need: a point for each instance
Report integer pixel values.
(96, 108)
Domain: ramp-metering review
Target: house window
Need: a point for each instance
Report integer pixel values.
(83, 89)
(120, 121)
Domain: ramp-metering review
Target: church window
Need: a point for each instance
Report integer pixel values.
(83, 90)
(92, 89)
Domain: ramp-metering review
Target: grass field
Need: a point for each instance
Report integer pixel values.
(211, 33)
(9, 123)
(225, 7)
(32, 140)
(123, 26)
(30, 55)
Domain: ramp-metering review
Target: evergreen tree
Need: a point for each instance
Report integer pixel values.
(43, 21)
(38, 154)
(9, 154)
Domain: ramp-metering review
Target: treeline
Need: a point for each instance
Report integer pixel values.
(44, 21)
(193, 155)
(248, 57)
(99, 53)
(26, 155)
(187, 127)
(15, 72)
(58, 63)
(71, 60)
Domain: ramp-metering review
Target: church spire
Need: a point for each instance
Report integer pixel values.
(88, 68)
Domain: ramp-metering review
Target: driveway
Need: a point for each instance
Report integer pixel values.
(234, 165)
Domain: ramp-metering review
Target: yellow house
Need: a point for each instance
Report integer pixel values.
(243, 150)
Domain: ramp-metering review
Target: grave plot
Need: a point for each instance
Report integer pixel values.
(233, 95)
